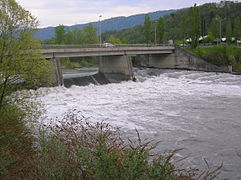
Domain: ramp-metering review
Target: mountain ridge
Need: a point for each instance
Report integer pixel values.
(115, 23)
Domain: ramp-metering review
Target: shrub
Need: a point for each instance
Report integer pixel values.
(15, 143)
(219, 55)
(77, 149)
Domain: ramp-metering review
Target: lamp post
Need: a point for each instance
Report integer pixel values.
(220, 30)
(100, 28)
(155, 33)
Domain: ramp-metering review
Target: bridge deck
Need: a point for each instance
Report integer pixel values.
(113, 51)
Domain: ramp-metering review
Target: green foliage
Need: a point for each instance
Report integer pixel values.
(87, 35)
(21, 66)
(147, 29)
(220, 55)
(77, 149)
(180, 25)
(210, 38)
(237, 27)
(90, 35)
(59, 34)
(160, 30)
(114, 40)
(229, 32)
(194, 25)
(15, 143)
(214, 27)
(79, 62)
(20, 57)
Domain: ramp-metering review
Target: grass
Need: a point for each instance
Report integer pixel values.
(220, 55)
(77, 149)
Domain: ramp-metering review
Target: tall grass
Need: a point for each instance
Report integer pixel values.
(77, 149)
(15, 143)
(220, 55)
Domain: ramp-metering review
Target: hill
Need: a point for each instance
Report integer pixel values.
(177, 25)
(112, 24)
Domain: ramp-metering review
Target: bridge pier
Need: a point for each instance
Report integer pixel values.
(58, 76)
(116, 68)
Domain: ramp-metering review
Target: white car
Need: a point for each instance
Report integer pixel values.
(108, 45)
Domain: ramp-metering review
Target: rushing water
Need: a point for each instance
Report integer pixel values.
(198, 111)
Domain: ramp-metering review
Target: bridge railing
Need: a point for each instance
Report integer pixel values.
(66, 46)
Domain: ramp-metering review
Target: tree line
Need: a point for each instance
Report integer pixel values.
(63, 35)
(212, 20)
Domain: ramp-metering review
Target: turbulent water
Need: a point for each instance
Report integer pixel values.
(198, 111)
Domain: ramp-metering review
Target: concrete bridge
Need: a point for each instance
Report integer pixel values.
(116, 62)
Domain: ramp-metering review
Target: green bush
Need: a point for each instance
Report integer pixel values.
(77, 149)
(15, 143)
(219, 55)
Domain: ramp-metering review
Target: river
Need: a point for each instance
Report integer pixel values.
(198, 111)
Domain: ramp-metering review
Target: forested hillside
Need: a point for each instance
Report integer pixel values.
(216, 19)
(117, 23)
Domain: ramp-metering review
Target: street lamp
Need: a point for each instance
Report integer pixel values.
(220, 29)
(100, 28)
(155, 33)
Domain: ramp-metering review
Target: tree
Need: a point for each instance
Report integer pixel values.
(237, 27)
(59, 34)
(21, 64)
(114, 40)
(20, 58)
(89, 35)
(210, 38)
(228, 30)
(214, 27)
(194, 25)
(147, 29)
(161, 29)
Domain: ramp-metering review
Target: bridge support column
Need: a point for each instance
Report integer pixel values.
(116, 68)
(58, 76)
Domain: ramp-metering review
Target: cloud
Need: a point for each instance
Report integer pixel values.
(68, 12)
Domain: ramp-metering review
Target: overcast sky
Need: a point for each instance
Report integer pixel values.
(69, 12)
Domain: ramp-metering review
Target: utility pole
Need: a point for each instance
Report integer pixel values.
(220, 32)
(155, 32)
(100, 29)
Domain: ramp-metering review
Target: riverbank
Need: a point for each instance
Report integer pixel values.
(221, 55)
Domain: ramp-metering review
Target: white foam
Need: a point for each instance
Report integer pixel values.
(116, 103)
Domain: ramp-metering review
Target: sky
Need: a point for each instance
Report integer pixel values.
(69, 12)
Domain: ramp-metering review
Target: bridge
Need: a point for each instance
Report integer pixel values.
(111, 51)
(116, 62)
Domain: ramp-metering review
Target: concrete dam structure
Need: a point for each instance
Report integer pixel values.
(116, 62)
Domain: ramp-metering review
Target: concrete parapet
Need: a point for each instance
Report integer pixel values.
(116, 68)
